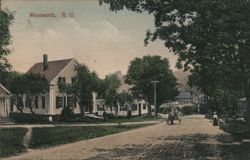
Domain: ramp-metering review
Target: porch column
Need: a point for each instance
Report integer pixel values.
(94, 102)
(8, 105)
(51, 99)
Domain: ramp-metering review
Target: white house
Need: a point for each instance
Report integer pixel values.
(52, 102)
(4, 102)
(138, 107)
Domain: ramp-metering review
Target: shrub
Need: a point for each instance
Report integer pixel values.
(129, 114)
(67, 113)
(28, 118)
(165, 110)
(188, 110)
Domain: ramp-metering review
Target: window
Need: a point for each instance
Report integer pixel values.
(61, 80)
(36, 102)
(43, 102)
(59, 102)
(73, 80)
(144, 106)
(134, 107)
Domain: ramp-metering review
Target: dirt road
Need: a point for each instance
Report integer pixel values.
(195, 138)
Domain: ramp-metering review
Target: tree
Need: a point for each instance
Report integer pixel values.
(35, 86)
(30, 85)
(125, 98)
(111, 83)
(15, 83)
(142, 71)
(5, 21)
(205, 34)
(86, 83)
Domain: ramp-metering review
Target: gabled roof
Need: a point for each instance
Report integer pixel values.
(54, 68)
(3, 90)
(184, 95)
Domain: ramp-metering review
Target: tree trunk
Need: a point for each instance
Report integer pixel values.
(149, 110)
(19, 104)
(82, 109)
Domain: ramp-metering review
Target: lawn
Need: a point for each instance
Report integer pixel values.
(11, 141)
(47, 137)
(239, 130)
(132, 119)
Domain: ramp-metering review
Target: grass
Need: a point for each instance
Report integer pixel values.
(11, 141)
(239, 130)
(132, 119)
(47, 137)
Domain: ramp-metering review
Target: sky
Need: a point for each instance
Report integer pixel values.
(103, 40)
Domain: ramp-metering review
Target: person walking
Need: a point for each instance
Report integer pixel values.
(215, 119)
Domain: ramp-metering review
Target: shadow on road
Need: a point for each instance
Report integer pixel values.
(195, 146)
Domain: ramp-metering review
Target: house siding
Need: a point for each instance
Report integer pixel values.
(39, 110)
(68, 72)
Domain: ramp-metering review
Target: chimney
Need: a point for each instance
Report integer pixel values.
(45, 62)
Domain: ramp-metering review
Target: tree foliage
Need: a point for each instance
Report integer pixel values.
(141, 73)
(111, 85)
(6, 19)
(30, 85)
(207, 35)
(86, 83)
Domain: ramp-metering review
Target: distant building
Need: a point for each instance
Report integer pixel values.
(52, 102)
(4, 102)
(185, 98)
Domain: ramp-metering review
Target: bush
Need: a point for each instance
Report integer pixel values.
(129, 114)
(67, 113)
(188, 110)
(28, 118)
(165, 110)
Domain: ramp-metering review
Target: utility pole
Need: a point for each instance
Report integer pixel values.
(0, 5)
(155, 108)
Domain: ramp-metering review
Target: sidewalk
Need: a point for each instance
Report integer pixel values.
(75, 125)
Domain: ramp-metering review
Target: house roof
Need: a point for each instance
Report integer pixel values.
(3, 90)
(54, 68)
(124, 86)
(184, 95)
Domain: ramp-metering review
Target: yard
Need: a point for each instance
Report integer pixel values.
(11, 141)
(47, 137)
